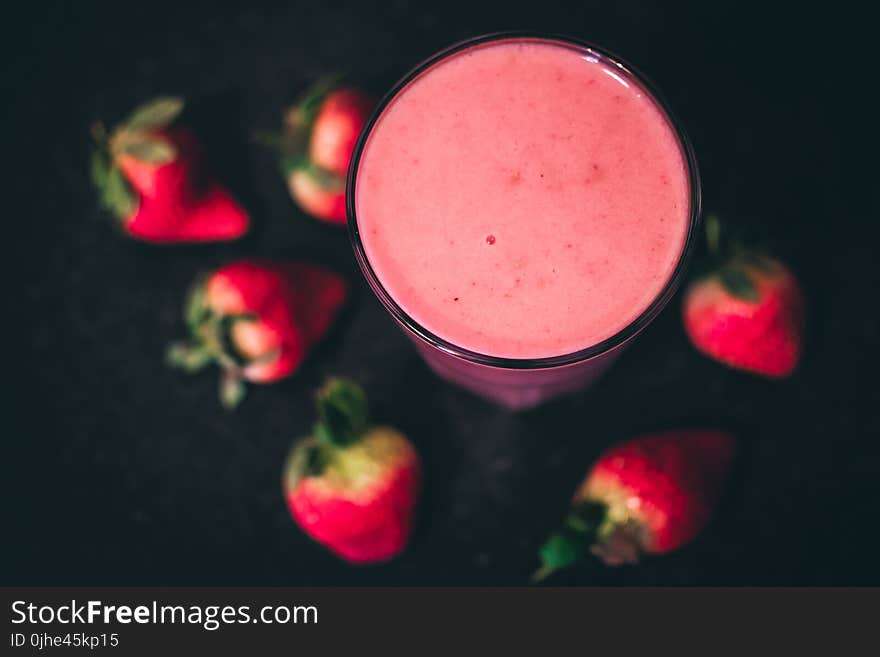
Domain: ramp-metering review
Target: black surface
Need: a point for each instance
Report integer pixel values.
(122, 471)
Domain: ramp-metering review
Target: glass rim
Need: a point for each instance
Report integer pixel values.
(608, 344)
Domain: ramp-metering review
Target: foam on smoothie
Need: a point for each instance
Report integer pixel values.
(521, 199)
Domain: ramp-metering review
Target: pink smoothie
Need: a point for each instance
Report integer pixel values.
(522, 200)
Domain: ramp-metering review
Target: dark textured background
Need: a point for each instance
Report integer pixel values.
(120, 471)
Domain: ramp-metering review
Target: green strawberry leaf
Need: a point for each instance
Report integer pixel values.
(737, 282)
(306, 109)
(119, 197)
(188, 357)
(306, 459)
(292, 161)
(196, 309)
(232, 390)
(343, 413)
(100, 168)
(327, 180)
(114, 192)
(155, 114)
(316, 461)
(148, 149)
(758, 258)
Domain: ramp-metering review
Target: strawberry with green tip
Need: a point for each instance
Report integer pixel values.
(257, 320)
(154, 178)
(319, 136)
(747, 312)
(351, 486)
(649, 495)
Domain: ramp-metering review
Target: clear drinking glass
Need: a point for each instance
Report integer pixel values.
(523, 383)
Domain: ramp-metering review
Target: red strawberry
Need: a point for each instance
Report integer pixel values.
(748, 313)
(649, 495)
(319, 135)
(155, 180)
(257, 320)
(351, 486)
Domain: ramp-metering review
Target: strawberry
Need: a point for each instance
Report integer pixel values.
(649, 495)
(319, 136)
(257, 320)
(748, 312)
(154, 178)
(351, 486)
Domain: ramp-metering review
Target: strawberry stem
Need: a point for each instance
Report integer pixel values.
(571, 543)
(542, 573)
(343, 413)
(232, 390)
